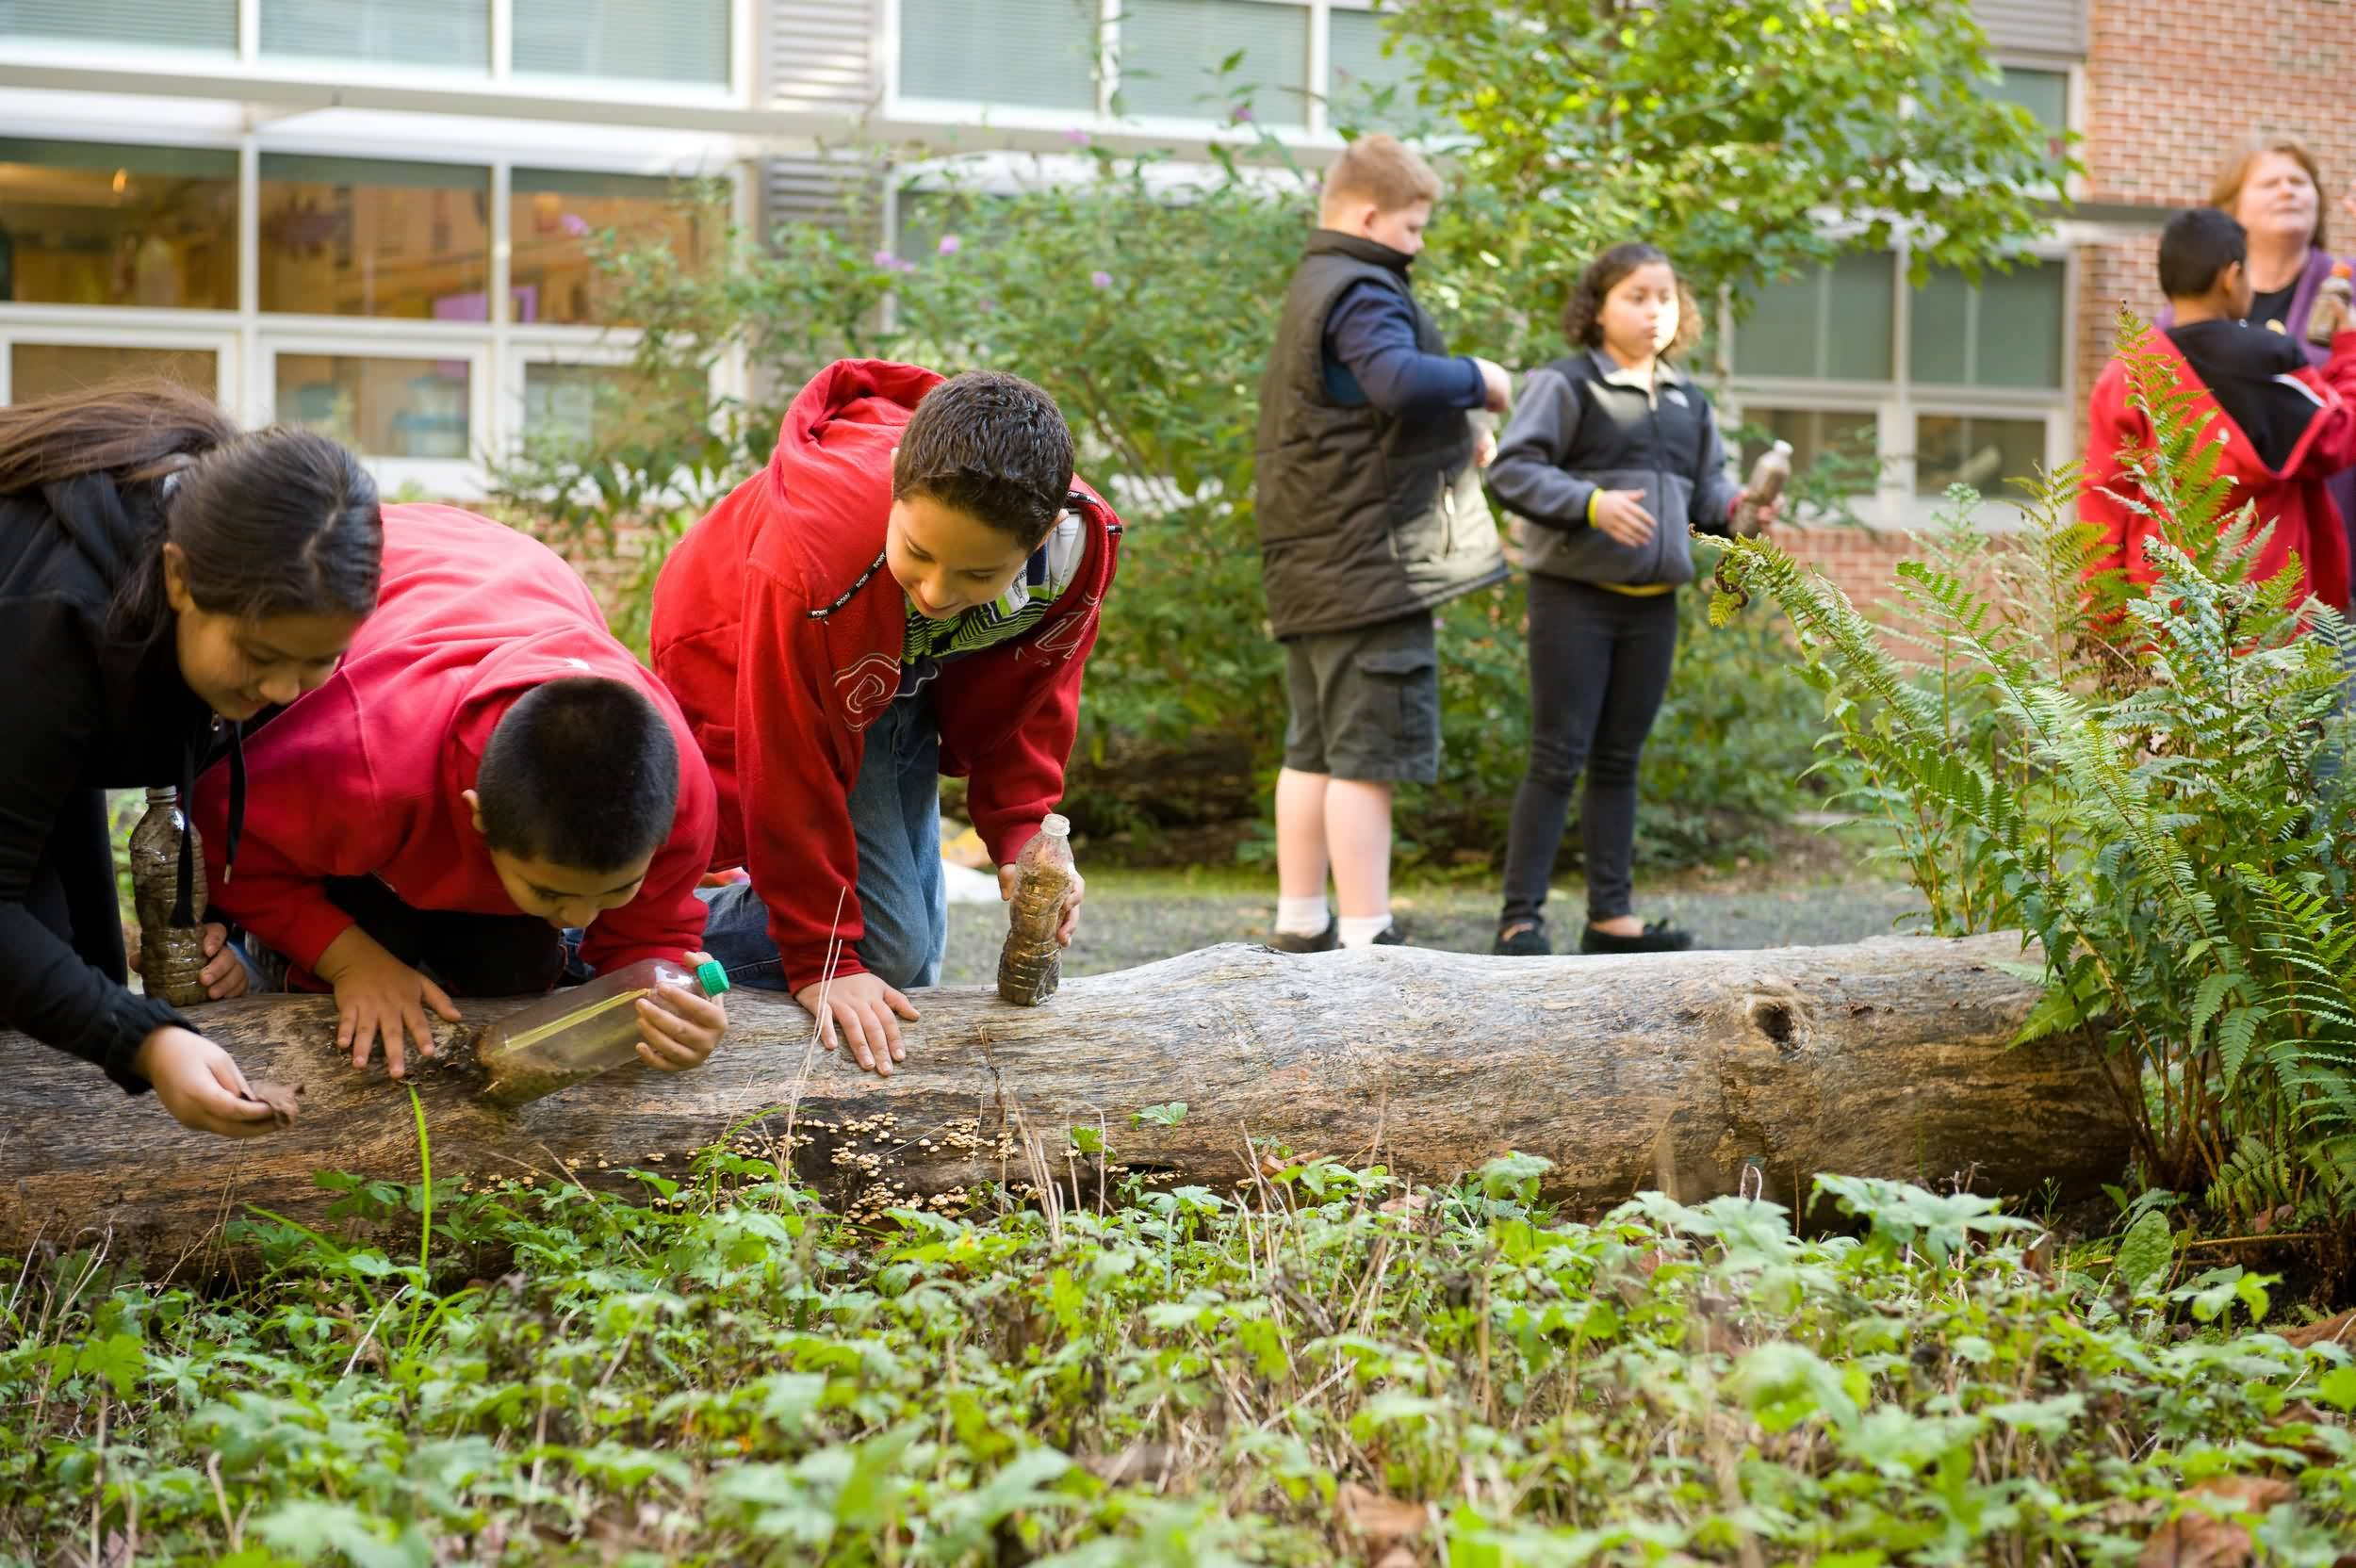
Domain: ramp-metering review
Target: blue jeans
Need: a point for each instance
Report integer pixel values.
(895, 816)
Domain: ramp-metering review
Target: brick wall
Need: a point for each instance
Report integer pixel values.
(2172, 85)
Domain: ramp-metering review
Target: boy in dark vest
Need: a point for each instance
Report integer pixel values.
(1370, 517)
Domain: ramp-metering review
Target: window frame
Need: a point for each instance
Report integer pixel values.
(1898, 402)
(153, 329)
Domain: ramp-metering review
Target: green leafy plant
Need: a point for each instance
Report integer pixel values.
(2145, 781)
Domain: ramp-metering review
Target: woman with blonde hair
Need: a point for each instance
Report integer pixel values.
(2273, 186)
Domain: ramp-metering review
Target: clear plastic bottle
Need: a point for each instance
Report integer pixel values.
(2330, 314)
(578, 1032)
(1768, 476)
(1030, 967)
(172, 951)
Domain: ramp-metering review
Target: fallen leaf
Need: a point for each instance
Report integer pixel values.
(2273, 1216)
(1386, 1522)
(281, 1099)
(2195, 1539)
(2332, 1330)
(1273, 1165)
(1411, 1203)
(2298, 1412)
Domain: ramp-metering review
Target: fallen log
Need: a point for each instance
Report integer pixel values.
(1689, 1072)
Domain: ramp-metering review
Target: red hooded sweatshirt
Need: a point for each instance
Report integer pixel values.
(365, 773)
(781, 629)
(2290, 495)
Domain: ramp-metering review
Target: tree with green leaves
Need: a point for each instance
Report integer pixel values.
(1747, 139)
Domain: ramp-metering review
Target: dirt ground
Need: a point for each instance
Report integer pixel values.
(1816, 889)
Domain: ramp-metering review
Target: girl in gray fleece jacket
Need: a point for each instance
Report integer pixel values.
(1612, 460)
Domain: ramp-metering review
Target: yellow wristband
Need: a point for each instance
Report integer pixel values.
(1593, 496)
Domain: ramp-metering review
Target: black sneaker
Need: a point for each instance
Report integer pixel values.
(1392, 935)
(1324, 941)
(1522, 938)
(1659, 936)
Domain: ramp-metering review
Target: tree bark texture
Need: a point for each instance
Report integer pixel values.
(1690, 1073)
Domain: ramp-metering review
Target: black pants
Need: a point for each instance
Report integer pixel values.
(466, 955)
(1599, 665)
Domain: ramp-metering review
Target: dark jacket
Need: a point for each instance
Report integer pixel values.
(1364, 516)
(1575, 431)
(90, 708)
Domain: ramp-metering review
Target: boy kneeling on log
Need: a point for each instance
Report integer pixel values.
(487, 772)
(911, 589)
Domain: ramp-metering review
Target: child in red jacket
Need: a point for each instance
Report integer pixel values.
(911, 589)
(487, 770)
(2284, 427)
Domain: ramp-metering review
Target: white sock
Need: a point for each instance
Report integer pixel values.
(1300, 916)
(1361, 930)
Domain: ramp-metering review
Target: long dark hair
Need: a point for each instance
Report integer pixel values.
(1582, 317)
(275, 523)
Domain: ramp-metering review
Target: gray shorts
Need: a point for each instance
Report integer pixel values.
(1365, 703)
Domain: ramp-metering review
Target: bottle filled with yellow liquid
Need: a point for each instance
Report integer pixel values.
(580, 1032)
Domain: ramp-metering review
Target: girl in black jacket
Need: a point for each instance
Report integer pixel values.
(1612, 461)
(163, 579)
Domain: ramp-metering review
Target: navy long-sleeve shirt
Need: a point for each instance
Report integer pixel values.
(1372, 357)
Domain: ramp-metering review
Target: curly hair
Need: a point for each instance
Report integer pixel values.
(1583, 317)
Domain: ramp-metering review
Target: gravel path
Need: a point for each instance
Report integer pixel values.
(1136, 917)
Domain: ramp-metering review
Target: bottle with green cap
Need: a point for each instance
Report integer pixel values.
(580, 1032)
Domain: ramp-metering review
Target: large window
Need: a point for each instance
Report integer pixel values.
(1355, 56)
(2007, 332)
(1213, 61)
(1833, 324)
(662, 40)
(555, 216)
(380, 406)
(2044, 93)
(359, 237)
(666, 47)
(1033, 53)
(95, 224)
(1172, 53)
(201, 26)
(366, 311)
(453, 34)
(42, 369)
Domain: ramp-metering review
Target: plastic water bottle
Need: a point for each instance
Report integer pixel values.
(1030, 967)
(171, 933)
(578, 1032)
(2329, 316)
(1768, 477)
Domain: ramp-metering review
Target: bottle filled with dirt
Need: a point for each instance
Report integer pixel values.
(2331, 313)
(1768, 475)
(168, 893)
(580, 1032)
(1030, 967)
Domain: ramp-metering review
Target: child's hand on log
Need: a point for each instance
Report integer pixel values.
(680, 1025)
(376, 993)
(222, 975)
(867, 1013)
(1010, 878)
(198, 1083)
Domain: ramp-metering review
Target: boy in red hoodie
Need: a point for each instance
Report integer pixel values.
(487, 770)
(2284, 426)
(911, 589)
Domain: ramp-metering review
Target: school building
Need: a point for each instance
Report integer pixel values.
(373, 216)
